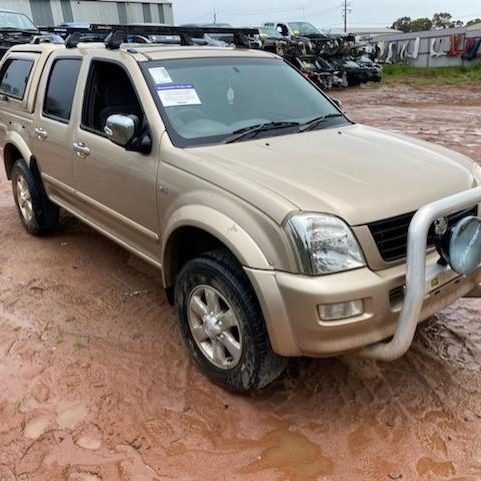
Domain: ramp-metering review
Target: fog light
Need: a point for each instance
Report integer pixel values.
(461, 247)
(344, 310)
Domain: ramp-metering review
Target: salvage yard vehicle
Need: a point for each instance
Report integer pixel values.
(355, 73)
(281, 227)
(296, 29)
(15, 28)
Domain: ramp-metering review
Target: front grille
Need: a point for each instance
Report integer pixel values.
(391, 235)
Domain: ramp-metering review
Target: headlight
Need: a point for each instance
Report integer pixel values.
(323, 244)
(476, 172)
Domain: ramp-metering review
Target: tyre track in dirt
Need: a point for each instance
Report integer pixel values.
(96, 384)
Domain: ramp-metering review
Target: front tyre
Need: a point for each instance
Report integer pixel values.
(222, 324)
(37, 214)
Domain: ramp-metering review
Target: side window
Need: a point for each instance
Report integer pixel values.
(109, 91)
(61, 86)
(14, 77)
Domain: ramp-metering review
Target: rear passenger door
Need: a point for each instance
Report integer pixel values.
(53, 127)
(117, 187)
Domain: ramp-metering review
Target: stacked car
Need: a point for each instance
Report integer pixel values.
(329, 60)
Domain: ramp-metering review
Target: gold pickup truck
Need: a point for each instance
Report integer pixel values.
(281, 227)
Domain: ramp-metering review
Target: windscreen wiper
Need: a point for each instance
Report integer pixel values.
(253, 130)
(312, 124)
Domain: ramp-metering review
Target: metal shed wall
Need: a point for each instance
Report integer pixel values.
(54, 12)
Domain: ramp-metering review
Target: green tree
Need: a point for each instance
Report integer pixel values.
(473, 22)
(402, 24)
(421, 24)
(445, 20)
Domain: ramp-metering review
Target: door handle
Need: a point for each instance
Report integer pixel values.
(81, 149)
(41, 134)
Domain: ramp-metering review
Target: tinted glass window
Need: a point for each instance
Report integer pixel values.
(14, 77)
(61, 89)
(16, 20)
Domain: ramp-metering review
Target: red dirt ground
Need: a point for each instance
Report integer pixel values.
(96, 383)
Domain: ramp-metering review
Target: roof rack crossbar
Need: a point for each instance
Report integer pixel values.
(116, 35)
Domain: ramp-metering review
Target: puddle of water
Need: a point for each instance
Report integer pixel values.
(292, 454)
(36, 427)
(440, 469)
(70, 415)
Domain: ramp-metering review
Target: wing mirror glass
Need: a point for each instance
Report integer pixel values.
(120, 129)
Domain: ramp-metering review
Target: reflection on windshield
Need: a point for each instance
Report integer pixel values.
(15, 20)
(303, 28)
(207, 100)
(269, 32)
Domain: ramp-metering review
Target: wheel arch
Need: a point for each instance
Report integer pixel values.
(15, 147)
(212, 230)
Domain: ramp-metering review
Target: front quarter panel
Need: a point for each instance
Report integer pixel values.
(223, 228)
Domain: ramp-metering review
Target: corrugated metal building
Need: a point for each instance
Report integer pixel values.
(54, 12)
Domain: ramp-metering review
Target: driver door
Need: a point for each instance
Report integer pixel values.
(116, 187)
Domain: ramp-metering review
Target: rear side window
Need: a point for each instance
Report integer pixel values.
(61, 89)
(14, 77)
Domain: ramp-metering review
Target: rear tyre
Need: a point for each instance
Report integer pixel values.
(222, 324)
(37, 214)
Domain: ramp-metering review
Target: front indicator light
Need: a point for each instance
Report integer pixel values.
(341, 311)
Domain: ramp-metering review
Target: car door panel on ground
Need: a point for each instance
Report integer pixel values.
(53, 126)
(116, 186)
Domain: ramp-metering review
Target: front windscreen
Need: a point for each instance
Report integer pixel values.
(207, 100)
(13, 20)
(303, 28)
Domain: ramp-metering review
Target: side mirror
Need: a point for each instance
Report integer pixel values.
(121, 129)
(337, 102)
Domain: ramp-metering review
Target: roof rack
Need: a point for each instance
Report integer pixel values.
(115, 35)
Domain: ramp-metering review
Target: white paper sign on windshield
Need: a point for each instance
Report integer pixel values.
(174, 95)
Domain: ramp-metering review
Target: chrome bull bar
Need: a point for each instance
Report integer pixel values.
(415, 290)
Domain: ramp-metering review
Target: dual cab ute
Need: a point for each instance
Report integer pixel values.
(281, 227)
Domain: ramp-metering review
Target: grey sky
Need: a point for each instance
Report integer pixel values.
(323, 13)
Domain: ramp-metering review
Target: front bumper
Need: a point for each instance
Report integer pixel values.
(290, 305)
(290, 302)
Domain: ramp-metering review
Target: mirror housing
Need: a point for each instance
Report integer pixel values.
(123, 130)
(120, 129)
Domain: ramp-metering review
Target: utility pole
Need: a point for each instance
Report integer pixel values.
(346, 10)
(214, 16)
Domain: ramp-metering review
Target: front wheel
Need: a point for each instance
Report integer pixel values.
(222, 324)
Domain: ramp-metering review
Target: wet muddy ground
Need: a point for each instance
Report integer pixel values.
(95, 383)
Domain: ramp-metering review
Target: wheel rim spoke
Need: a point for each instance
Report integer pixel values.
(28, 210)
(231, 345)
(212, 300)
(198, 306)
(199, 333)
(218, 352)
(227, 319)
